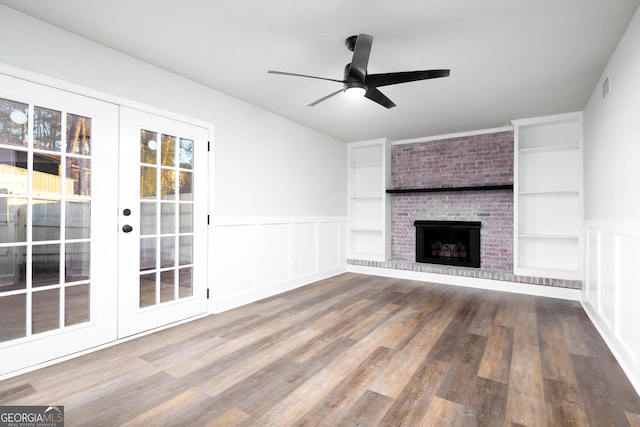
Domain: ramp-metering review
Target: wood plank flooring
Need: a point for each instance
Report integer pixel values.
(352, 350)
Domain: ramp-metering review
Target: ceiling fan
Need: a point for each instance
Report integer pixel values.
(357, 82)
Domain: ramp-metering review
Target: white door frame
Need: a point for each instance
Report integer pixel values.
(30, 363)
(133, 319)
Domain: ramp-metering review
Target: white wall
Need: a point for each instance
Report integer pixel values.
(611, 293)
(263, 165)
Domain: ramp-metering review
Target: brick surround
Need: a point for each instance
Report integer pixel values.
(455, 162)
(475, 160)
(494, 209)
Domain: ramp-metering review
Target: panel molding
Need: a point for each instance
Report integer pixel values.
(611, 293)
(308, 249)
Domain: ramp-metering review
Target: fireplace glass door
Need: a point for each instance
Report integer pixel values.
(448, 242)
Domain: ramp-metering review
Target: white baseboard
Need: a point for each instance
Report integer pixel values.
(471, 282)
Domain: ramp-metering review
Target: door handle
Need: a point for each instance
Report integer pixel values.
(127, 228)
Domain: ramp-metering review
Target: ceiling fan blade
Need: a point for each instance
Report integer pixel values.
(386, 79)
(303, 75)
(360, 59)
(379, 97)
(324, 98)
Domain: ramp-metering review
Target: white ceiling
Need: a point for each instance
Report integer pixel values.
(509, 59)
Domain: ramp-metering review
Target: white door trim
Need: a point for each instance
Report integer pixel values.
(56, 83)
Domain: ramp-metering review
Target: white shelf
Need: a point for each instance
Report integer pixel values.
(548, 171)
(548, 202)
(548, 133)
(549, 149)
(549, 236)
(366, 230)
(550, 193)
(366, 197)
(369, 205)
(365, 165)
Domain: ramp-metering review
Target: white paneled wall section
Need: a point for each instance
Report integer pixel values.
(611, 294)
(612, 290)
(256, 258)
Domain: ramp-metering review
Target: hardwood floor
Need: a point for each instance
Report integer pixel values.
(352, 350)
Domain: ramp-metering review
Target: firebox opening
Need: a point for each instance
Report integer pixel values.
(448, 242)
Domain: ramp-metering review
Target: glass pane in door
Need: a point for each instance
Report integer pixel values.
(78, 135)
(47, 131)
(13, 269)
(13, 122)
(45, 310)
(166, 220)
(13, 318)
(45, 219)
(76, 305)
(13, 218)
(13, 172)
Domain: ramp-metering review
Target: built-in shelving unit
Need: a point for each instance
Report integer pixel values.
(369, 207)
(548, 196)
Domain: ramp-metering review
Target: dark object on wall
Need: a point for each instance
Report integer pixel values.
(357, 82)
(448, 242)
(444, 189)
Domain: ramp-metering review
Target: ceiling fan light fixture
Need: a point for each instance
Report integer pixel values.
(357, 83)
(355, 89)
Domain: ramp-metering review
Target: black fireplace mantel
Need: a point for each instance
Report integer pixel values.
(444, 189)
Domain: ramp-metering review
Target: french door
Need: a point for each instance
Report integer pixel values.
(162, 221)
(57, 287)
(102, 222)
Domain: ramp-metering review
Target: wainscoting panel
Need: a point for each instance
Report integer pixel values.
(591, 291)
(254, 258)
(272, 254)
(231, 272)
(611, 295)
(305, 252)
(329, 250)
(607, 277)
(628, 316)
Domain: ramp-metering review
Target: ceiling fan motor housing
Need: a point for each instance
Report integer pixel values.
(351, 42)
(351, 82)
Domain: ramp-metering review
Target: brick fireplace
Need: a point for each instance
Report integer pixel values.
(472, 161)
(483, 165)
